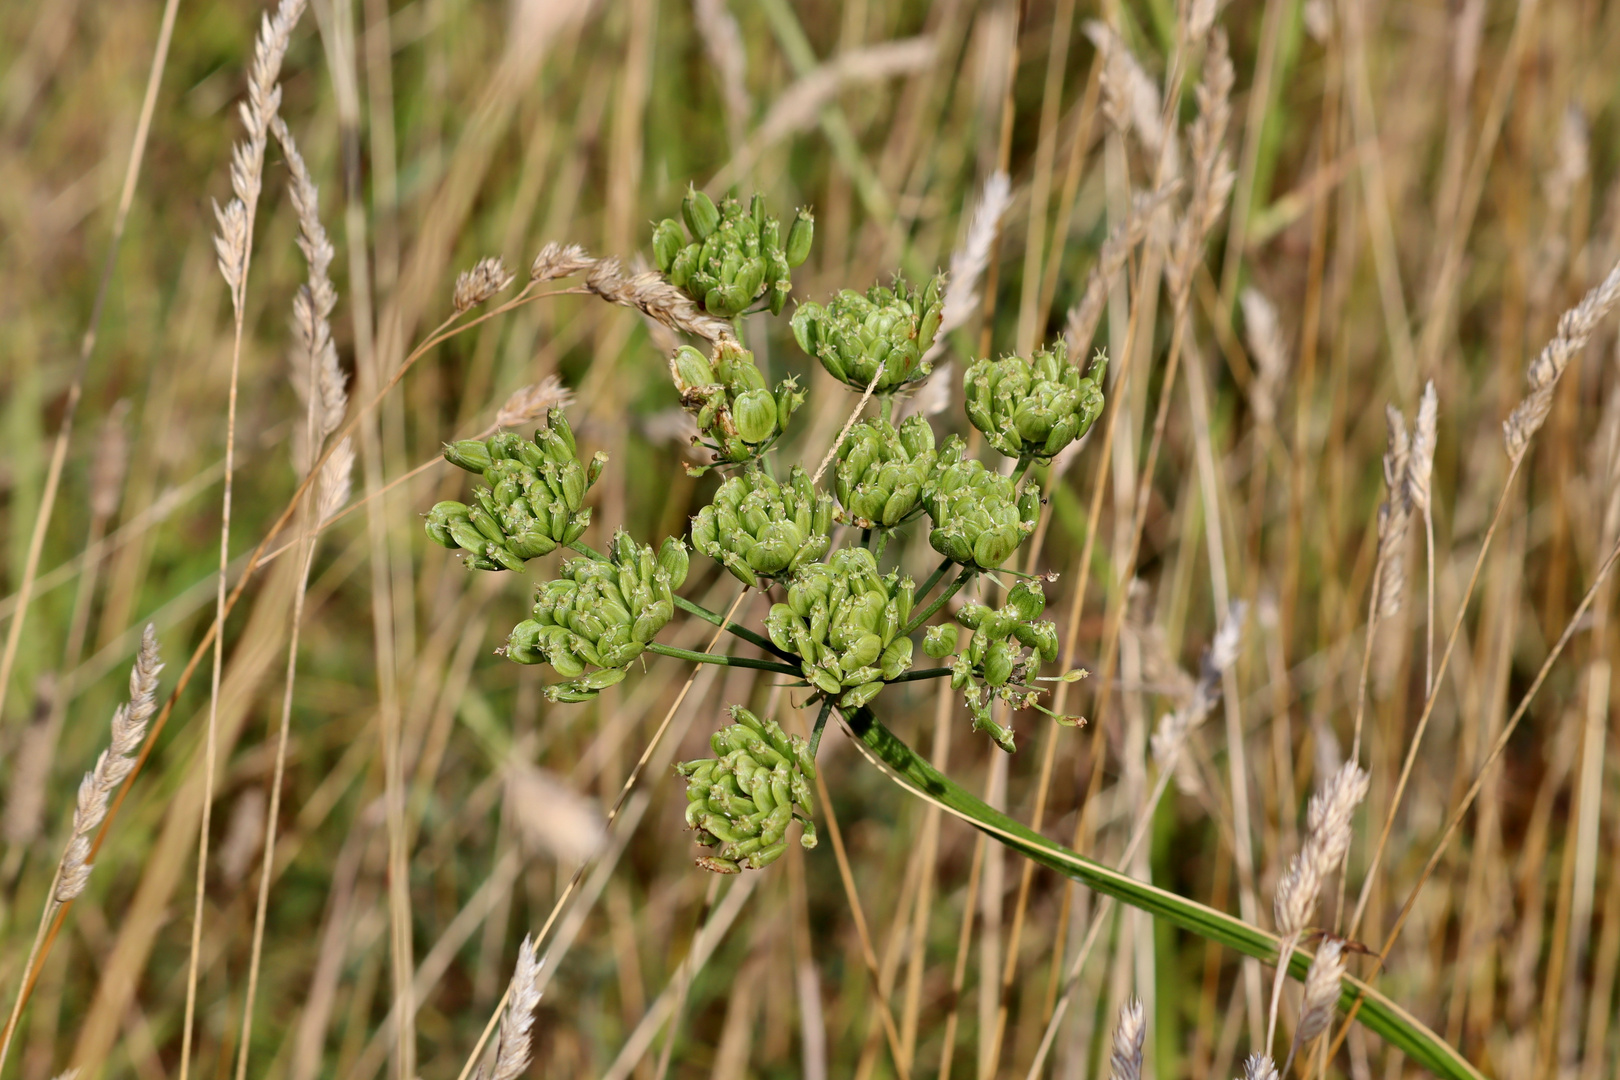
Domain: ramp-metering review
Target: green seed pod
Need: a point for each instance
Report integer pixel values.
(690, 369)
(469, 454)
(940, 641)
(1027, 599)
(855, 334)
(668, 240)
(701, 215)
(800, 236)
(755, 413)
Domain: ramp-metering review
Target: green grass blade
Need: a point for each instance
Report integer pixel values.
(1379, 1014)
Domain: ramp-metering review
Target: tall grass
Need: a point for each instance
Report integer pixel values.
(1326, 277)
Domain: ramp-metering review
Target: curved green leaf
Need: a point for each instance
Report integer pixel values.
(1379, 1014)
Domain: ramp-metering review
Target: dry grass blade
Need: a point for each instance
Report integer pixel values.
(129, 727)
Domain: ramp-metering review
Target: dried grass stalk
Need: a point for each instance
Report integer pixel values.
(1211, 167)
(1080, 325)
(1125, 1062)
(969, 260)
(128, 731)
(1574, 330)
(1259, 1067)
(1326, 843)
(1220, 656)
(1267, 349)
(512, 1044)
(647, 292)
(1321, 991)
(1394, 516)
(529, 403)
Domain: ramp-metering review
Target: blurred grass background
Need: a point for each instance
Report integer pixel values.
(1423, 187)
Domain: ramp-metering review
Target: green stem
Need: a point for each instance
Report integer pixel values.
(821, 725)
(1023, 467)
(743, 632)
(939, 601)
(724, 661)
(933, 579)
(1380, 1015)
(883, 542)
(920, 674)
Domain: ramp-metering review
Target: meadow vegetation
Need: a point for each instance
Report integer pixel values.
(1132, 498)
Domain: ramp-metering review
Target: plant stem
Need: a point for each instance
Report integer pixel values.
(933, 579)
(1023, 467)
(1380, 1015)
(939, 601)
(920, 674)
(741, 631)
(716, 658)
(821, 725)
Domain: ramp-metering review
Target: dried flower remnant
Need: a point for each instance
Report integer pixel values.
(488, 277)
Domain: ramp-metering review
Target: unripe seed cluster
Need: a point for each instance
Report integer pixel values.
(600, 614)
(1009, 644)
(742, 801)
(729, 257)
(534, 501)
(737, 417)
(843, 620)
(882, 471)
(757, 528)
(1033, 408)
(855, 333)
(979, 517)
